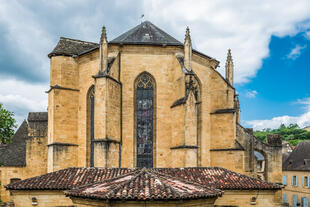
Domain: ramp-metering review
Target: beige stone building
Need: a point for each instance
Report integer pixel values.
(296, 176)
(143, 100)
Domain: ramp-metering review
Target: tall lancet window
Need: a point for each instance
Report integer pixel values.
(145, 85)
(90, 126)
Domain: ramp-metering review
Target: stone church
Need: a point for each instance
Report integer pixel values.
(146, 107)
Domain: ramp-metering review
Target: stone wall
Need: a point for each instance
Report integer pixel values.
(42, 198)
(256, 198)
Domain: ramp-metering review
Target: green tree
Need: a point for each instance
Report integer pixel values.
(7, 125)
(291, 133)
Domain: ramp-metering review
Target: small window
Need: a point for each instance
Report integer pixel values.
(295, 180)
(306, 182)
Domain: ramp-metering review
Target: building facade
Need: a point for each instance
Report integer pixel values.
(296, 176)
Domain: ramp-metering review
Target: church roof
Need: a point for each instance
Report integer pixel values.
(299, 158)
(146, 33)
(69, 47)
(144, 184)
(215, 177)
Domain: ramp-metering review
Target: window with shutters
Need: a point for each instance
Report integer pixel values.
(144, 106)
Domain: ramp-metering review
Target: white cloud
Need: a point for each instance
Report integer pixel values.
(296, 52)
(244, 26)
(32, 28)
(303, 120)
(307, 35)
(21, 97)
(251, 94)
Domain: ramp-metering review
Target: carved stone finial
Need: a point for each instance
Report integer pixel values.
(187, 34)
(103, 35)
(229, 59)
(187, 50)
(229, 68)
(103, 50)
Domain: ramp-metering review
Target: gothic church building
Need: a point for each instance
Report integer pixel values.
(143, 100)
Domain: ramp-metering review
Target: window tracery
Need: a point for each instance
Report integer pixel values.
(144, 120)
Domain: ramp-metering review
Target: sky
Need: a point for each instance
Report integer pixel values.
(270, 43)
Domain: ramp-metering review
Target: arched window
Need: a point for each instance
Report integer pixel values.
(145, 86)
(90, 127)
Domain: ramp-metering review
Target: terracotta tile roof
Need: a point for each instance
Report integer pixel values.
(214, 177)
(144, 184)
(219, 178)
(68, 178)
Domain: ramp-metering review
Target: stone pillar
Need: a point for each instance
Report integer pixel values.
(274, 158)
(107, 112)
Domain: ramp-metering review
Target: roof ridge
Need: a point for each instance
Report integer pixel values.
(76, 40)
(124, 183)
(166, 185)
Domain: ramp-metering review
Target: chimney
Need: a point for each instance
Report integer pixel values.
(274, 140)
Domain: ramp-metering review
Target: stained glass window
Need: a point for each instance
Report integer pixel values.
(144, 120)
(90, 123)
(92, 127)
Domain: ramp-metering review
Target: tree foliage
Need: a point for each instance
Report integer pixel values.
(291, 133)
(7, 125)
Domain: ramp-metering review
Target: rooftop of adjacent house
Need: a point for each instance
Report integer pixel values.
(144, 184)
(14, 153)
(145, 33)
(299, 158)
(211, 177)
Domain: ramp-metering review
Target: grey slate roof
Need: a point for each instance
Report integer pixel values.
(37, 116)
(258, 156)
(69, 47)
(299, 158)
(146, 33)
(14, 154)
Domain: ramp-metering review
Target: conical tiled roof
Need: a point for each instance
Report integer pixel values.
(144, 184)
(146, 33)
